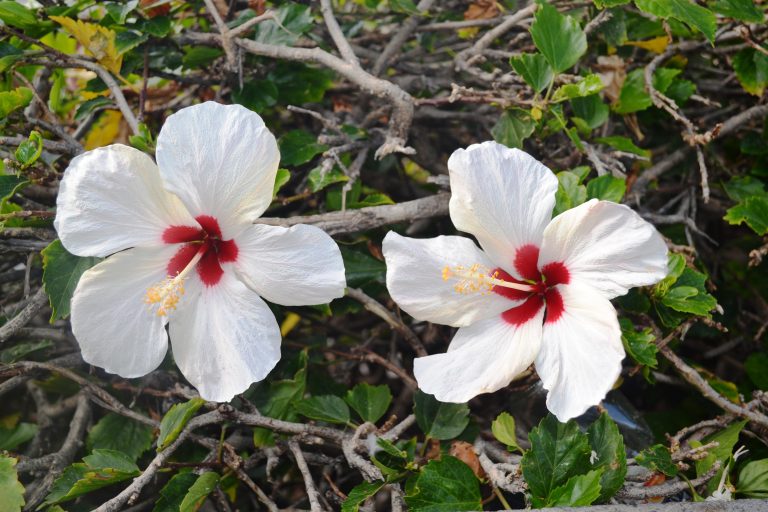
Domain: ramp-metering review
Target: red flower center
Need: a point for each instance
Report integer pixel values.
(205, 238)
(542, 280)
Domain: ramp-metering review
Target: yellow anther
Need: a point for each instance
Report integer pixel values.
(168, 292)
(478, 278)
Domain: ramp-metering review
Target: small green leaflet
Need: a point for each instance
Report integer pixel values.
(591, 84)
(513, 127)
(100, 469)
(753, 211)
(359, 494)
(534, 69)
(743, 10)
(199, 491)
(445, 484)
(606, 188)
(174, 492)
(11, 438)
(686, 11)
(116, 432)
(558, 37)
(328, 408)
(61, 273)
(657, 458)
(608, 456)
(503, 428)
(370, 402)
(299, 147)
(639, 345)
(11, 490)
(578, 491)
(14, 100)
(174, 421)
(440, 420)
(753, 480)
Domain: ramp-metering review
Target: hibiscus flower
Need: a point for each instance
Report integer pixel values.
(184, 252)
(538, 291)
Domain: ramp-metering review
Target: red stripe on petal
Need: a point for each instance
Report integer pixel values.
(181, 234)
(509, 293)
(210, 225)
(209, 269)
(227, 250)
(527, 262)
(524, 312)
(555, 306)
(556, 273)
(181, 259)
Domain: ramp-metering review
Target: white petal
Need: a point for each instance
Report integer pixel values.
(581, 353)
(112, 198)
(606, 246)
(415, 279)
(116, 330)
(490, 354)
(502, 196)
(224, 339)
(220, 160)
(295, 266)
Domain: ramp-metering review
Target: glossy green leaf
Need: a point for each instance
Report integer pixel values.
(591, 109)
(570, 192)
(608, 456)
(751, 67)
(175, 420)
(361, 268)
(14, 100)
(22, 350)
(503, 428)
(639, 345)
(11, 438)
(753, 480)
(558, 37)
(606, 188)
(299, 147)
(174, 492)
(370, 402)
(513, 127)
(578, 491)
(328, 408)
(743, 10)
(359, 494)
(558, 452)
(100, 469)
(726, 440)
(624, 144)
(61, 273)
(657, 458)
(9, 185)
(440, 420)
(11, 490)
(118, 433)
(589, 85)
(276, 401)
(686, 11)
(282, 177)
(534, 69)
(291, 20)
(753, 211)
(445, 484)
(318, 179)
(199, 491)
(30, 150)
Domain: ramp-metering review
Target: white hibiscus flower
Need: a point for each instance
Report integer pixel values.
(538, 291)
(185, 252)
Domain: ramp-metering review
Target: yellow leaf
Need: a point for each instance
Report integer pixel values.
(104, 131)
(656, 45)
(98, 41)
(291, 321)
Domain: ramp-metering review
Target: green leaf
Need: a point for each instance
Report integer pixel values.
(590, 84)
(639, 345)
(30, 150)
(503, 428)
(751, 67)
(446, 484)
(726, 439)
(558, 37)
(174, 421)
(602, 4)
(534, 69)
(633, 97)
(558, 452)
(282, 177)
(756, 367)
(591, 109)
(318, 179)
(359, 494)
(570, 192)
(199, 491)
(753, 211)
(657, 458)
(10, 438)
(299, 147)
(689, 295)
(753, 480)
(173, 492)
(608, 455)
(370, 402)
(513, 127)
(404, 7)
(118, 433)
(624, 144)
(61, 272)
(440, 420)
(14, 100)
(361, 268)
(11, 490)
(120, 11)
(688, 12)
(200, 56)
(9, 185)
(578, 491)
(276, 401)
(159, 26)
(328, 408)
(21, 350)
(606, 188)
(256, 95)
(740, 188)
(100, 469)
(290, 21)
(743, 10)
(16, 15)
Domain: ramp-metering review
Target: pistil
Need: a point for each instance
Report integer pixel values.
(478, 278)
(168, 292)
